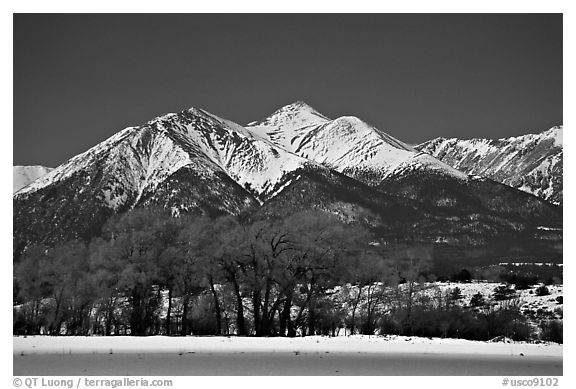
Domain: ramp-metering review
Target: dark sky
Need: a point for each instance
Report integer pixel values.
(80, 78)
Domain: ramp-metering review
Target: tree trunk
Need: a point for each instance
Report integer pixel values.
(135, 316)
(409, 306)
(110, 316)
(311, 307)
(256, 306)
(267, 315)
(54, 326)
(356, 302)
(311, 319)
(239, 309)
(301, 311)
(169, 312)
(216, 308)
(281, 322)
(36, 314)
(286, 327)
(367, 325)
(185, 302)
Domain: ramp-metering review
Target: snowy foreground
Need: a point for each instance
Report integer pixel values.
(356, 343)
(314, 355)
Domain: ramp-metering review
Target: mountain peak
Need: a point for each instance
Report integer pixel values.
(301, 108)
(346, 144)
(296, 114)
(556, 133)
(299, 105)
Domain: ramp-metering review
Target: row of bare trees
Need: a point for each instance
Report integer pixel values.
(152, 273)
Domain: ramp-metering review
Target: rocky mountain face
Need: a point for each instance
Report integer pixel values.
(194, 161)
(25, 175)
(531, 163)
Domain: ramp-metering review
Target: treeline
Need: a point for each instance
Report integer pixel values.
(307, 273)
(151, 273)
(523, 276)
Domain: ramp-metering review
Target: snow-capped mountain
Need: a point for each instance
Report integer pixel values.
(24, 175)
(360, 151)
(191, 161)
(409, 193)
(138, 159)
(531, 163)
(346, 144)
(197, 162)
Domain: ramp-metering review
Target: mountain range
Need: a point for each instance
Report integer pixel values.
(194, 161)
(532, 163)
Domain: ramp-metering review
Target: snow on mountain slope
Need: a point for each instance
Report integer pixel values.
(362, 152)
(252, 161)
(346, 144)
(185, 162)
(24, 175)
(532, 163)
(288, 123)
(197, 162)
(137, 159)
(130, 161)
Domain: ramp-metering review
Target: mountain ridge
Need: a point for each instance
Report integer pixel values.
(196, 162)
(346, 144)
(532, 163)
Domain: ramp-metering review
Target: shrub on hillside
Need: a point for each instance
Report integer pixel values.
(503, 292)
(477, 300)
(456, 294)
(552, 331)
(520, 280)
(508, 321)
(559, 312)
(542, 291)
(457, 322)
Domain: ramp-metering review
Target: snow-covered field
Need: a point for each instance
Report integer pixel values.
(356, 343)
(314, 355)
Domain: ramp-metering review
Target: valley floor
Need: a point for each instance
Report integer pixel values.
(315, 355)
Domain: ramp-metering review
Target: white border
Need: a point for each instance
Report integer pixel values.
(303, 6)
